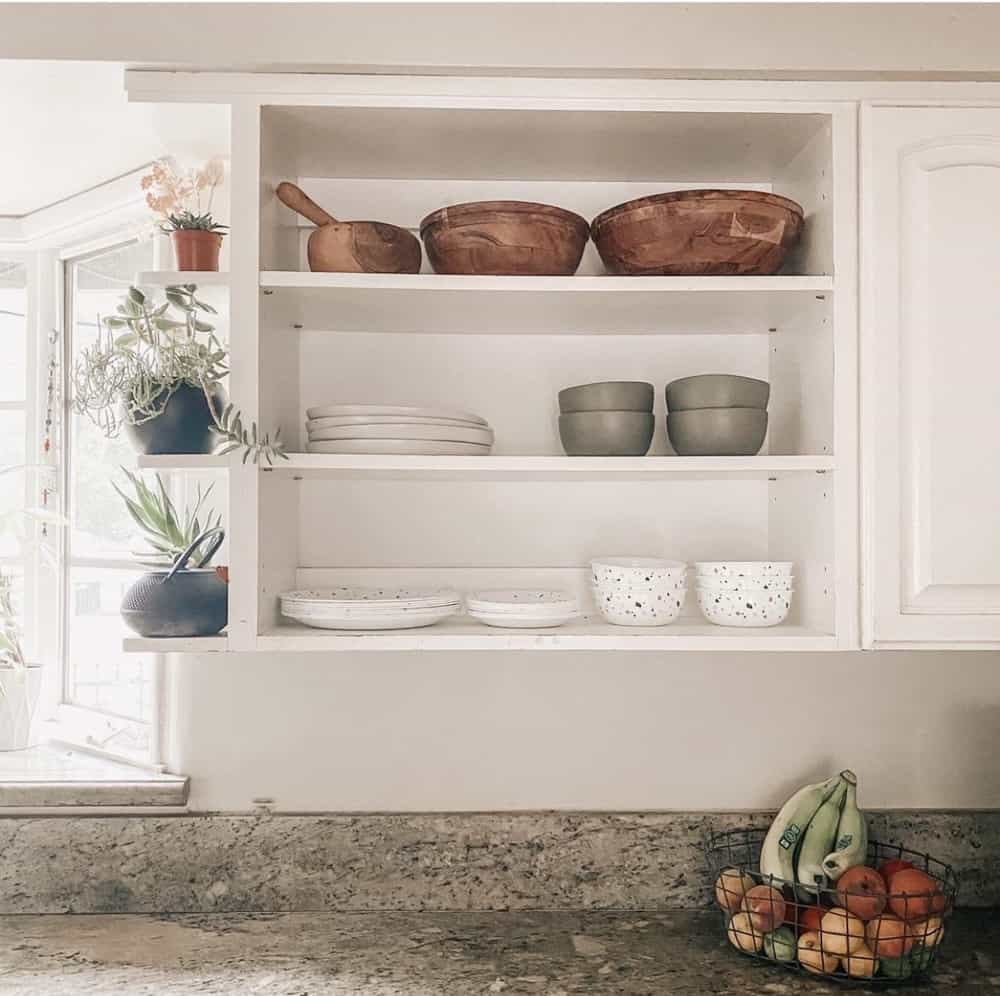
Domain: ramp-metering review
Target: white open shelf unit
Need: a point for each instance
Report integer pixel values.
(529, 516)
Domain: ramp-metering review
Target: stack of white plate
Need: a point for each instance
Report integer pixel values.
(519, 608)
(397, 429)
(369, 608)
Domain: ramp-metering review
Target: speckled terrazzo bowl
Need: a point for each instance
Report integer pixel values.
(638, 572)
(625, 605)
(744, 606)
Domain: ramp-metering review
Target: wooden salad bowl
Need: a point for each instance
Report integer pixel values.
(352, 246)
(504, 238)
(698, 232)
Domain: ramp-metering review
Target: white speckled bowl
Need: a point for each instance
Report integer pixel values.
(627, 605)
(745, 606)
(637, 571)
(765, 582)
(744, 568)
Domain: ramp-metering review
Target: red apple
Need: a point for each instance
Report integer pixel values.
(862, 891)
(810, 918)
(914, 895)
(766, 907)
(888, 937)
(889, 868)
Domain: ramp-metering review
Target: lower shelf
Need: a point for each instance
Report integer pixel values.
(584, 634)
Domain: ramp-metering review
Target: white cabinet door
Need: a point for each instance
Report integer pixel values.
(931, 375)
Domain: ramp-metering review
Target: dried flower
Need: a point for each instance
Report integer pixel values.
(176, 196)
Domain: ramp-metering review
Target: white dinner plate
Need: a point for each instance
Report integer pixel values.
(506, 620)
(438, 433)
(338, 420)
(400, 620)
(423, 447)
(521, 601)
(328, 411)
(355, 596)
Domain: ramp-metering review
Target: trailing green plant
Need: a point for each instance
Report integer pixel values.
(167, 532)
(176, 196)
(11, 651)
(145, 352)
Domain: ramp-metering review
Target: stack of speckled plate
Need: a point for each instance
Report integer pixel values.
(397, 429)
(369, 608)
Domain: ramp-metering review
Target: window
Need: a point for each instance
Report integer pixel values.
(99, 567)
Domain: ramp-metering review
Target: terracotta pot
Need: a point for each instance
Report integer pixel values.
(195, 249)
(184, 426)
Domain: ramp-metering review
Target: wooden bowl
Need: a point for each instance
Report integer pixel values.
(504, 238)
(697, 232)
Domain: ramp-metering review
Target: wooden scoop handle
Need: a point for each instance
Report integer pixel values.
(298, 200)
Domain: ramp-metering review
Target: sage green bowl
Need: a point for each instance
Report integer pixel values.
(717, 431)
(608, 396)
(606, 433)
(717, 391)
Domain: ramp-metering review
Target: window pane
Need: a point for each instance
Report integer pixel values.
(13, 331)
(101, 675)
(12, 522)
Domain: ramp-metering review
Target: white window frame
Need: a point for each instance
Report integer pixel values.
(90, 223)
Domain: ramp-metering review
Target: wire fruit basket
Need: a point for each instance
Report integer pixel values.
(855, 935)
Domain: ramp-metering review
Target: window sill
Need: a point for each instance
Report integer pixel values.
(53, 776)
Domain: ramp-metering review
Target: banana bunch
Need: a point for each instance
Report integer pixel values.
(817, 835)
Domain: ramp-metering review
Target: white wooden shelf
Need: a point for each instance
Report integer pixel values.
(583, 634)
(181, 461)
(168, 278)
(542, 468)
(436, 303)
(175, 644)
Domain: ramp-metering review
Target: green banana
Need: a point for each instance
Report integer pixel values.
(818, 841)
(851, 847)
(778, 852)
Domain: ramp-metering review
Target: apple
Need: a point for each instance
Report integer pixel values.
(888, 937)
(922, 958)
(766, 907)
(926, 932)
(896, 968)
(781, 944)
(861, 963)
(810, 918)
(889, 868)
(914, 895)
(862, 891)
(841, 932)
(742, 934)
(730, 888)
(813, 958)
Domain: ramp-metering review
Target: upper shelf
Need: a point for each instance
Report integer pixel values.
(547, 468)
(435, 303)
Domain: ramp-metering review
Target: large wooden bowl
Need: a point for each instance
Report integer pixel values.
(696, 232)
(504, 238)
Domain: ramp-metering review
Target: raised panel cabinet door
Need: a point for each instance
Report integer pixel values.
(931, 375)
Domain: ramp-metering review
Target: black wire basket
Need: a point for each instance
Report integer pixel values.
(798, 932)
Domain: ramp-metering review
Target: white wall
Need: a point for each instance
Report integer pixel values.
(793, 40)
(593, 731)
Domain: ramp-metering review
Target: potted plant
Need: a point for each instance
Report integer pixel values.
(165, 533)
(156, 371)
(20, 682)
(178, 199)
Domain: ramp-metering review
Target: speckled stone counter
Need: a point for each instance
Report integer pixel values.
(426, 954)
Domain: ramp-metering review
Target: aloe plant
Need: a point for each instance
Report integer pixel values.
(11, 654)
(168, 532)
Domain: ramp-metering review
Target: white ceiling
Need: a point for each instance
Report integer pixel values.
(67, 128)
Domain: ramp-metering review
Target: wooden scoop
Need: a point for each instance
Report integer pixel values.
(352, 246)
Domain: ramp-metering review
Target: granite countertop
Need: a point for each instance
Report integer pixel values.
(427, 954)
